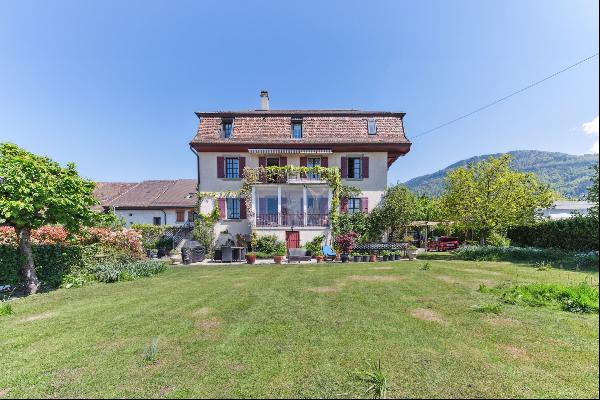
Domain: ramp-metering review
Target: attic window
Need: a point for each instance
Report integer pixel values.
(372, 126)
(297, 128)
(227, 127)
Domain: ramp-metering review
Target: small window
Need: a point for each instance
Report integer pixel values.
(273, 162)
(232, 168)
(354, 167)
(233, 208)
(354, 205)
(297, 128)
(227, 128)
(156, 221)
(179, 216)
(372, 126)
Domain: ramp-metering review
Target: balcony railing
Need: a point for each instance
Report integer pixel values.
(294, 177)
(286, 219)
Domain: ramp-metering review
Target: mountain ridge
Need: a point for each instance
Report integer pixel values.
(567, 174)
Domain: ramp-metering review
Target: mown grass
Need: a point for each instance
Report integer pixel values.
(301, 331)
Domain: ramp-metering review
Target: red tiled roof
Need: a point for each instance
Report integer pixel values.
(318, 127)
(105, 192)
(153, 194)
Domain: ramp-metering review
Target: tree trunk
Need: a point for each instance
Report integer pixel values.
(27, 266)
(483, 237)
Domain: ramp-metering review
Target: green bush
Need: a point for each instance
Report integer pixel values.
(571, 234)
(112, 271)
(315, 245)
(582, 298)
(528, 254)
(497, 239)
(269, 246)
(52, 262)
(5, 308)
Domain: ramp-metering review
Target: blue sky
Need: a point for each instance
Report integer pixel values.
(113, 86)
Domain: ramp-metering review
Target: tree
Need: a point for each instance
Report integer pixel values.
(592, 194)
(398, 207)
(489, 196)
(37, 191)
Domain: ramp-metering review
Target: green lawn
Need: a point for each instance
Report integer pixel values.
(300, 331)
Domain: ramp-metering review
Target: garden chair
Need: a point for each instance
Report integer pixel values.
(328, 253)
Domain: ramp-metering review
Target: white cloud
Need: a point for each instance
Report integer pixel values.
(591, 128)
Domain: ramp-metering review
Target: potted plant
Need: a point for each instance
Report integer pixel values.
(386, 255)
(251, 257)
(372, 258)
(319, 257)
(397, 255)
(411, 252)
(345, 242)
(278, 258)
(364, 257)
(356, 257)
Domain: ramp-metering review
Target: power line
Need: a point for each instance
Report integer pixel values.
(493, 103)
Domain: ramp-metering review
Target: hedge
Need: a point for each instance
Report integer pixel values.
(571, 234)
(52, 262)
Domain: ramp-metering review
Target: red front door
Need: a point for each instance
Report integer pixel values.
(292, 239)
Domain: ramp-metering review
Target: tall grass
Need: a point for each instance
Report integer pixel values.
(376, 380)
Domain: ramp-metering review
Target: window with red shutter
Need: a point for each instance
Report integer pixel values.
(344, 167)
(221, 203)
(325, 162)
(365, 167)
(364, 203)
(220, 167)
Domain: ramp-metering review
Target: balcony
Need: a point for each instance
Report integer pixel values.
(290, 178)
(295, 220)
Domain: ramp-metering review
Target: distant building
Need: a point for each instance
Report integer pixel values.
(566, 209)
(164, 202)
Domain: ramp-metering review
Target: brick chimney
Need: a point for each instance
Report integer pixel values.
(264, 100)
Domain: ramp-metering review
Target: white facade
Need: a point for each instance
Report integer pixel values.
(566, 209)
(372, 188)
(136, 216)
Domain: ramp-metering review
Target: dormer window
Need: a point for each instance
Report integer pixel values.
(297, 128)
(372, 126)
(227, 128)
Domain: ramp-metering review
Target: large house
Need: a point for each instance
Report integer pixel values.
(158, 202)
(362, 144)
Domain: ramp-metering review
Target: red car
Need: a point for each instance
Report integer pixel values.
(443, 243)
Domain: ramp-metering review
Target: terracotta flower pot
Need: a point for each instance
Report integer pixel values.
(278, 259)
(319, 259)
(250, 258)
(372, 258)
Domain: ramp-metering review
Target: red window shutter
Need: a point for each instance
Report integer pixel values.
(303, 161)
(364, 203)
(325, 162)
(220, 167)
(282, 161)
(262, 161)
(365, 167)
(344, 205)
(344, 169)
(221, 201)
(242, 165)
(243, 213)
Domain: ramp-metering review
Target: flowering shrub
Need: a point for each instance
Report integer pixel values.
(50, 235)
(125, 241)
(345, 241)
(8, 236)
(44, 235)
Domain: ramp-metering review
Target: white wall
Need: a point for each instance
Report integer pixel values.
(146, 216)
